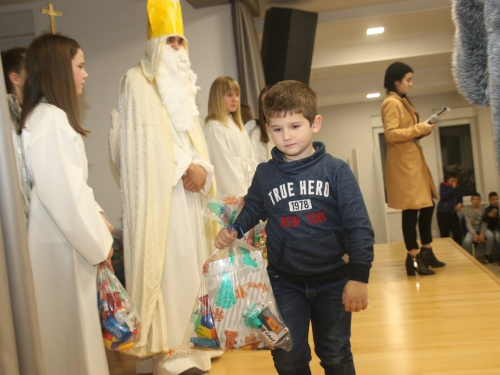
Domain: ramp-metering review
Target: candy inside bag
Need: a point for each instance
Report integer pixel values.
(242, 302)
(120, 322)
(272, 329)
(257, 237)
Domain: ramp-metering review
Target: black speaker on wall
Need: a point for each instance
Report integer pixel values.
(288, 44)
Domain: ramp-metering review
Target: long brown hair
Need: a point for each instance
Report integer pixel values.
(216, 108)
(261, 121)
(12, 61)
(50, 76)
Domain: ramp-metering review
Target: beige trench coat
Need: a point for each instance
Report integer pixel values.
(408, 182)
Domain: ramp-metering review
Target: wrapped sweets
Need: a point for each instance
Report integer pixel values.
(271, 328)
(205, 335)
(242, 302)
(119, 319)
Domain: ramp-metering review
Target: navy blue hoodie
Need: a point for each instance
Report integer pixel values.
(315, 214)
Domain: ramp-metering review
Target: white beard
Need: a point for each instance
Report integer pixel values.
(176, 84)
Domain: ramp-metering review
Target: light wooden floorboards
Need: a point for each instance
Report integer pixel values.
(444, 324)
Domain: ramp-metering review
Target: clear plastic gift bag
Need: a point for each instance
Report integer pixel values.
(120, 322)
(236, 308)
(242, 303)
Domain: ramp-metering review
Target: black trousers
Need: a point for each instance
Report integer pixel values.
(449, 222)
(424, 219)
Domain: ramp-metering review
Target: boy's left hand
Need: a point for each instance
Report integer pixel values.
(355, 296)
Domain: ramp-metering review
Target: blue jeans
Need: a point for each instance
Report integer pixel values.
(320, 304)
(492, 240)
(468, 239)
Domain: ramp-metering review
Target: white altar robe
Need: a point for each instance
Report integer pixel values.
(187, 250)
(232, 156)
(262, 151)
(67, 237)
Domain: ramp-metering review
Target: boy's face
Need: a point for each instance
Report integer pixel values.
(494, 201)
(475, 201)
(453, 181)
(293, 135)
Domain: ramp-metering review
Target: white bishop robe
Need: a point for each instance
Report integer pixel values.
(166, 240)
(67, 237)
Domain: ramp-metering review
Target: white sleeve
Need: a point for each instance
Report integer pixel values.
(209, 168)
(59, 179)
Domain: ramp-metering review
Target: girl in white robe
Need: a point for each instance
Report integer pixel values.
(228, 142)
(67, 232)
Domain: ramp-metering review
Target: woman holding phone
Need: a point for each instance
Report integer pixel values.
(409, 184)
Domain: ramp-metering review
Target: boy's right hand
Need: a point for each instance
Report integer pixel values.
(225, 237)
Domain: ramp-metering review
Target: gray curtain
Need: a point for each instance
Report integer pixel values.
(250, 70)
(20, 343)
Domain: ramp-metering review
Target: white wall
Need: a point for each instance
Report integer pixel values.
(350, 126)
(113, 35)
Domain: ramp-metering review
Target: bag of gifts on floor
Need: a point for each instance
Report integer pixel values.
(239, 297)
(120, 322)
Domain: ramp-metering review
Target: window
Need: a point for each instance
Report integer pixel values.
(455, 143)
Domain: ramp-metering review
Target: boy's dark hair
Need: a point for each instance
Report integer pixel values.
(451, 175)
(291, 97)
(12, 61)
(492, 194)
(246, 113)
(475, 194)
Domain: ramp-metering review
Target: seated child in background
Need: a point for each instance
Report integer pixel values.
(490, 229)
(450, 203)
(316, 214)
(473, 217)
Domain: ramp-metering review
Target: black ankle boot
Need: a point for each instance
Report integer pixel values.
(416, 263)
(429, 258)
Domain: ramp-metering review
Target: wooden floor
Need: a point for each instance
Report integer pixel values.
(446, 324)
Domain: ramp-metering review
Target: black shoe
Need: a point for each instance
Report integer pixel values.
(489, 258)
(416, 263)
(429, 258)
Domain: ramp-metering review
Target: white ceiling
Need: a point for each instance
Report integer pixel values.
(348, 64)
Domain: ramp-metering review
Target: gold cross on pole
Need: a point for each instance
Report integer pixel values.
(52, 13)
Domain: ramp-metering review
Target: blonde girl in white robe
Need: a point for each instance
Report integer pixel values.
(67, 232)
(228, 142)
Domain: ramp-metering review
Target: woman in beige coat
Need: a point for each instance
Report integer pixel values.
(409, 184)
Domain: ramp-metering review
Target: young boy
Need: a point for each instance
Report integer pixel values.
(315, 214)
(490, 229)
(473, 216)
(450, 203)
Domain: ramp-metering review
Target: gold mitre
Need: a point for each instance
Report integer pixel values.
(164, 18)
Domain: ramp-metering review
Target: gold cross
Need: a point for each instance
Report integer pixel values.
(52, 13)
